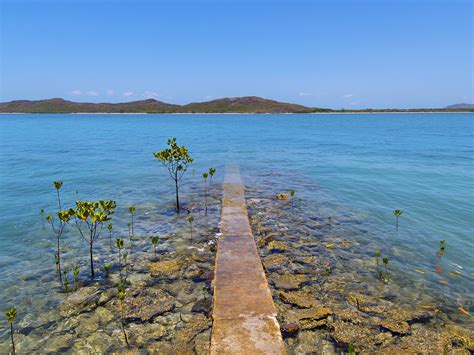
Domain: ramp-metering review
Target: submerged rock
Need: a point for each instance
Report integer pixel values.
(166, 267)
(299, 299)
(202, 306)
(275, 245)
(183, 337)
(289, 329)
(145, 304)
(290, 282)
(83, 300)
(275, 261)
(281, 196)
(143, 334)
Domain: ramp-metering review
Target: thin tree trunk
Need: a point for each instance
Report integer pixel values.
(92, 260)
(59, 265)
(177, 194)
(13, 342)
(205, 196)
(59, 200)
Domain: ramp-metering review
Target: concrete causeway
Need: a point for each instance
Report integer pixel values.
(244, 316)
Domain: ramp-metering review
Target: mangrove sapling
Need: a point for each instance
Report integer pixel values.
(89, 219)
(75, 272)
(212, 171)
(377, 256)
(204, 176)
(191, 220)
(125, 256)
(56, 261)
(107, 270)
(109, 228)
(397, 214)
(129, 225)
(64, 217)
(42, 217)
(121, 297)
(154, 241)
(131, 209)
(292, 194)
(57, 185)
(176, 159)
(66, 283)
(442, 245)
(385, 263)
(11, 317)
(119, 244)
(329, 220)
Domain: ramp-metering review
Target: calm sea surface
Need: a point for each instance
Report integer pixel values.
(365, 165)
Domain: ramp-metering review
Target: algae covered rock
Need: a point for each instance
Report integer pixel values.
(281, 196)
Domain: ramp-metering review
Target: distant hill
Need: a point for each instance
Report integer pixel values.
(249, 104)
(246, 104)
(460, 107)
(64, 106)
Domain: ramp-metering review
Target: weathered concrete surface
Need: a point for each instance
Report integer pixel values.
(244, 316)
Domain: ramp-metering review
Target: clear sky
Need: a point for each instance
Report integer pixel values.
(334, 53)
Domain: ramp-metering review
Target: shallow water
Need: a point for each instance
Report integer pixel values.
(354, 168)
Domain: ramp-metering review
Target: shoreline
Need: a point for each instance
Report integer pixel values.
(233, 113)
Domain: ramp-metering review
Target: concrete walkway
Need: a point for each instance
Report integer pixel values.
(244, 316)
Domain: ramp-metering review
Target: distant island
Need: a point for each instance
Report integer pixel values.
(247, 104)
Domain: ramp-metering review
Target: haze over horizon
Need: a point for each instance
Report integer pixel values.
(335, 54)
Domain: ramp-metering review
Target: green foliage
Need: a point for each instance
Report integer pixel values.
(176, 159)
(131, 209)
(398, 213)
(11, 315)
(442, 245)
(205, 176)
(119, 243)
(75, 271)
(57, 185)
(212, 171)
(121, 292)
(385, 261)
(107, 269)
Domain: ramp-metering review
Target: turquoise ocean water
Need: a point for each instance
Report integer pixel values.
(363, 164)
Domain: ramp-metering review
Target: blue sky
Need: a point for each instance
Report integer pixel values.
(334, 53)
